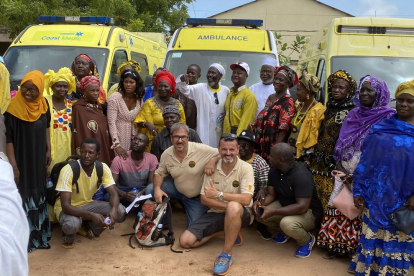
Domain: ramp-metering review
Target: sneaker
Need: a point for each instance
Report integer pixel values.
(222, 264)
(239, 240)
(281, 238)
(263, 231)
(304, 251)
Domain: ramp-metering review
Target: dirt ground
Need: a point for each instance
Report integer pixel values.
(112, 256)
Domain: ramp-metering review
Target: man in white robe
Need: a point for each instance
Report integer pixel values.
(209, 98)
(262, 90)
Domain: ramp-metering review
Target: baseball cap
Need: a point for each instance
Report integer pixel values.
(248, 135)
(241, 64)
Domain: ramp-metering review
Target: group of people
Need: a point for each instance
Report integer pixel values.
(231, 156)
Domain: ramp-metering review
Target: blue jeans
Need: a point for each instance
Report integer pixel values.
(192, 206)
(122, 200)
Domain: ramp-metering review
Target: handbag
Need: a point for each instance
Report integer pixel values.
(344, 202)
(403, 219)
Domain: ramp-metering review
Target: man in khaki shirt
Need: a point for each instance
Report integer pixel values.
(180, 172)
(228, 192)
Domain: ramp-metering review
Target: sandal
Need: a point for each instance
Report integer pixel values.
(66, 245)
(329, 256)
(88, 233)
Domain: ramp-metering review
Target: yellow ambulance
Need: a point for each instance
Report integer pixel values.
(57, 40)
(205, 41)
(382, 47)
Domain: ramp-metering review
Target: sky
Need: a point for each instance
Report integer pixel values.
(380, 8)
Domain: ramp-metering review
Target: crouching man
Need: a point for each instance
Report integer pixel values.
(74, 206)
(228, 193)
(291, 206)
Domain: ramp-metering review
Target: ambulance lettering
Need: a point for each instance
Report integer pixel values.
(223, 37)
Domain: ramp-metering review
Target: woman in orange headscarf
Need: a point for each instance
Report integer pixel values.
(28, 150)
(149, 119)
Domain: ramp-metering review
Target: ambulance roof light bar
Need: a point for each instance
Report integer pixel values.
(253, 23)
(50, 19)
(374, 30)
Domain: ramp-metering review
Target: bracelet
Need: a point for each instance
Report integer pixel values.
(117, 146)
(143, 125)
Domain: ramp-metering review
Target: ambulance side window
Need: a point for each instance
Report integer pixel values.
(120, 57)
(321, 74)
(142, 60)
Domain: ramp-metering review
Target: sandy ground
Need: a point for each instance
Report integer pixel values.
(112, 256)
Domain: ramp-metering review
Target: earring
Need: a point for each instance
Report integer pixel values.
(307, 96)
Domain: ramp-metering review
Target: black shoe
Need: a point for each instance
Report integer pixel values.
(262, 229)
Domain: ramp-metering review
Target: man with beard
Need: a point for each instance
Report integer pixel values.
(228, 192)
(262, 90)
(241, 104)
(181, 170)
(136, 171)
(189, 105)
(209, 98)
(162, 141)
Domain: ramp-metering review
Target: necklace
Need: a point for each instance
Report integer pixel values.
(295, 121)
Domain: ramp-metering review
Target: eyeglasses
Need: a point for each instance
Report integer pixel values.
(177, 138)
(216, 98)
(268, 72)
(228, 137)
(24, 89)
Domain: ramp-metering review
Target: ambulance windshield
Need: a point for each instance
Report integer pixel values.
(21, 60)
(177, 61)
(392, 70)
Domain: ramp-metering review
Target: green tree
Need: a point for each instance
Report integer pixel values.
(133, 15)
(285, 50)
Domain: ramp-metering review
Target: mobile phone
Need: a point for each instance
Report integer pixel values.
(259, 211)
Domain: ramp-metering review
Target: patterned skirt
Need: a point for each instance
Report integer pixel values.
(383, 252)
(338, 233)
(324, 187)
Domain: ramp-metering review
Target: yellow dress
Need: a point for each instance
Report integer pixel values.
(60, 133)
(151, 112)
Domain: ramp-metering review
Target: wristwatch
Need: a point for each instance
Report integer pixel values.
(221, 196)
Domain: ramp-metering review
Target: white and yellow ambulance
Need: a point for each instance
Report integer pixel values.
(57, 40)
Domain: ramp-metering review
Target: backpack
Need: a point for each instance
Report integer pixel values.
(148, 219)
(52, 194)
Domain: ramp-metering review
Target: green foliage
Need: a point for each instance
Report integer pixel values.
(296, 46)
(134, 15)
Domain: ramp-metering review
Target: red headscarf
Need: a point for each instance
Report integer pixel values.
(88, 80)
(289, 73)
(168, 77)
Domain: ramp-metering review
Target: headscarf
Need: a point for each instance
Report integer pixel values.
(29, 111)
(92, 65)
(406, 87)
(344, 75)
(360, 120)
(5, 97)
(171, 109)
(88, 80)
(289, 73)
(311, 82)
(219, 68)
(64, 74)
(131, 63)
(168, 77)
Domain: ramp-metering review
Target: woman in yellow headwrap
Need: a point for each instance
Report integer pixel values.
(4, 103)
(28, 150)
(127, 65)
(59, 84)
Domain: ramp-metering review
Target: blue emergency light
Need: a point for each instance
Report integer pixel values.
(254, 23)
(76, 19)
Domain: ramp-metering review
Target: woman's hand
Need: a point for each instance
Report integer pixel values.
(410, 203)
(121, 152)
(16, 173)
(48, 158)
(151, 128)
(252, 127)
(359, 202)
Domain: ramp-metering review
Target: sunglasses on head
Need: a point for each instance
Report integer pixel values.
(216, 98)
(228, 136)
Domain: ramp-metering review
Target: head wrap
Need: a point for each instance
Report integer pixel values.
(406, 87)
(311, 82)
(343, 75)
(168, 77)
(88, 80)
(29, 111)
(269, 61)
(219, 68)
(5, 97)
(289, 74)
(171, 109)
(64, 74)
(131, 63)
(92, 65)
(359, 120)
